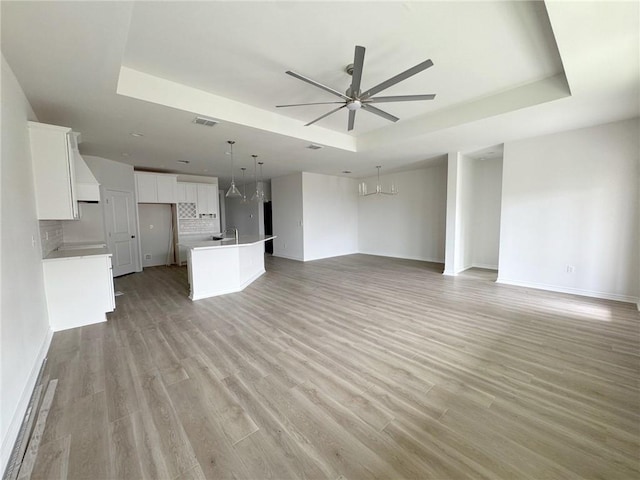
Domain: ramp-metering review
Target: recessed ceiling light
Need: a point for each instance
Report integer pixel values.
(313, 146)
(346, 171)
(124, 154)
(184, 162)
(136, 134)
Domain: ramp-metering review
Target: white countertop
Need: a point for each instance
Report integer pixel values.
(243, 240)
(77, 253)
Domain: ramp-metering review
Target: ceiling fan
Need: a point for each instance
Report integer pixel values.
(353, 99)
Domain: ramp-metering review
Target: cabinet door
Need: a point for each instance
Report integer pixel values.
(182, 192)
(53, 172)
(191, 192)
(147, 188)
(167, 186)
(213, 205)
(79, 291)
(203, 199)
(207, 200)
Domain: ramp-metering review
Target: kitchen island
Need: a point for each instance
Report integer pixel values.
(218, 267)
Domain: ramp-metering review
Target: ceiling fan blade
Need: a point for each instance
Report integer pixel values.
(398, 78)
(381, 113)
(358, 64)
(326, 115)
(316, 84)
(352, 120)
(401, 98)
(304, 104)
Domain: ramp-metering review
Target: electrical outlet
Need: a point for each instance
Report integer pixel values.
(147, 256)
(570, 268)
(284, 245)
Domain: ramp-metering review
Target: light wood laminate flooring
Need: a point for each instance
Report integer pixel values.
(356, 367)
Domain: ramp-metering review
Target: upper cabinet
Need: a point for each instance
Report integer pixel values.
(61, 176)
(156, 187)
(207, 200)
(187, 192)
(197, 200)
(53, 171)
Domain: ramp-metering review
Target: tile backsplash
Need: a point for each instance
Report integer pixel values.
(198, 225)
(50, 235)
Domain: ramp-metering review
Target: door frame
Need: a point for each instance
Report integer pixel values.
(136, 223)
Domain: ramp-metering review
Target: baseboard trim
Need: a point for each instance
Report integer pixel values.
(288, 257)
(573, 291)
(11, 436)
(454, 273)
(419, 259)
(485, 266)
(330, 256)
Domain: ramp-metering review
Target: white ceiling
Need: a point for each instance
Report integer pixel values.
(502, 71)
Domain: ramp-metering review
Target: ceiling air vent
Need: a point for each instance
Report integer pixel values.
(206, 121)
(313, 146)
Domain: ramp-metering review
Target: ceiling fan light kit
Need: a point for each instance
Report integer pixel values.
(353, 99)
(362, 187)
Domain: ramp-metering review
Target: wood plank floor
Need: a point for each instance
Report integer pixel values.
(356, 367)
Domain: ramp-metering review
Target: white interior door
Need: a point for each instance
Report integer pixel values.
(121, 231)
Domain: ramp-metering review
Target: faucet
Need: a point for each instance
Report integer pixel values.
(234, 230)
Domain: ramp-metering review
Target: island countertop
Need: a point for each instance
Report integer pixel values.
(243, 240)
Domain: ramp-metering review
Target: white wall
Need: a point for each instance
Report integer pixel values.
(245, 217)
(571, 198)
(249, 217)
(451, 266)
(487, 195)
(465, 220)
(24, 323)
(287, 214)
(410, 224)
(155, 233)
(330, 206)
(88, 228)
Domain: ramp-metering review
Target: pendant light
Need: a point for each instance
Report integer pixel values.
(362, 188)
(258, 195)
(233, 190)
(261, 182)
(244, 200)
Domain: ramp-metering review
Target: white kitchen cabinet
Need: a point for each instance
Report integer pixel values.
(207, 203)
(167, 186)
(187, 192)
(79, 290)
(53, 171)
(156, 188)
